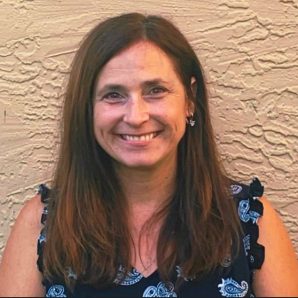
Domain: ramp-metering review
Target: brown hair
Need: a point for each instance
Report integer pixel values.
(87, 227)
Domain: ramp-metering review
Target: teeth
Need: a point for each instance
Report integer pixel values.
(147, 137)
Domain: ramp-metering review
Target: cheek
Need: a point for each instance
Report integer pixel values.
(176, 117)
(96, 122)
(182, 126)
(179, 126)
(102, 119)
(100, 125)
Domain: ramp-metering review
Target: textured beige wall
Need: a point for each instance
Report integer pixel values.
(248, 48)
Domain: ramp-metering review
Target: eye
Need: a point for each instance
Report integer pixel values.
(157, 91)
(113, 97)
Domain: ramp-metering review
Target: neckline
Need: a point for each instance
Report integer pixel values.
(144, 276)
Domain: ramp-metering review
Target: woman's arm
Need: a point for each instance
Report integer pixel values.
(19, 275)
(279, 273)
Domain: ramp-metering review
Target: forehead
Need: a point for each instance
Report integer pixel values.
(143, 52)
(144, 58)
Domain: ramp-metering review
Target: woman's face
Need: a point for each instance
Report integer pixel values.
(140, 107)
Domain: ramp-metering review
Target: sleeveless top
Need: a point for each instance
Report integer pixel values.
(230, 279)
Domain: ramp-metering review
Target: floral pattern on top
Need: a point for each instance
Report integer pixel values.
(246, 214)
(161, 290)
(233, 279)
(131, 278)
(56, 291)
(236, 189)
(230, 288)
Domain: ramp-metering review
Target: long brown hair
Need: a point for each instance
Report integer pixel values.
(87, 228)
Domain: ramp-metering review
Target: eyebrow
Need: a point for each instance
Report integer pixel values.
(122, 88)
(154, 82)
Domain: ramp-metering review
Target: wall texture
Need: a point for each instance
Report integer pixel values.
(248, 48)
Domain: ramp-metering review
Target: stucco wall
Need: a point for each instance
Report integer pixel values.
(248, 48)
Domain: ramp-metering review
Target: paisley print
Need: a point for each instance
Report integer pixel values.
(56, 291)
(236, 189)
(132, 277)
(229, 282)
(41, 238)
(245, 213)
(161, 290)
(230, 288)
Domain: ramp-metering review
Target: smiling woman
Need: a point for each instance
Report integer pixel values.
(140, 108)
(140, 205)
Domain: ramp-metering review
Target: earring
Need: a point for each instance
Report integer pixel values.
(190, 120)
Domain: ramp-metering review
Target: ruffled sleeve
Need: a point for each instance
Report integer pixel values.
(43, 191)
(250, 209)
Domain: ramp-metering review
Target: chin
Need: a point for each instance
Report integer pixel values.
(137, 164)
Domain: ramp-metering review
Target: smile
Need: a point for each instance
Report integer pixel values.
(142, 138)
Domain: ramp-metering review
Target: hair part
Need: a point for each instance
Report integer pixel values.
(201, 215)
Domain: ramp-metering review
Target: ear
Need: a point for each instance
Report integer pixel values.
(190, 104)
(190, 109)
(193, 85)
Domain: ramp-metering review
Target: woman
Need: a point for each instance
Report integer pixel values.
(140, 205)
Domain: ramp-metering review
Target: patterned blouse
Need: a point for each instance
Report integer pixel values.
(230, 279)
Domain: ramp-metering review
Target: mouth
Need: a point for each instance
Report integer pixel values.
(139, 138)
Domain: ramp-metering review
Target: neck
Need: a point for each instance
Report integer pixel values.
(150, 187)
(146, 191)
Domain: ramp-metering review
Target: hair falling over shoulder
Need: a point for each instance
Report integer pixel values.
(87, 228)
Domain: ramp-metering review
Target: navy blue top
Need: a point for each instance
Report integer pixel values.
(230, 279)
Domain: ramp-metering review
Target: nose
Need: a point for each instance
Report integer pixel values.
(136, 112)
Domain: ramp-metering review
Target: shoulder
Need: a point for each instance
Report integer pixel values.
(31, 212)
(28, 221)
(279, 272)
(269, 242)
(19, 275)
(270, 216)
(272, 228)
